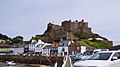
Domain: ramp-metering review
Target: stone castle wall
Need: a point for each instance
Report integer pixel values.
(77, 26)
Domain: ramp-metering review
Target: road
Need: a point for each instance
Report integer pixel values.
(68, 63)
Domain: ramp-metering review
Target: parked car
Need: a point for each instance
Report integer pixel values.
(87, 54)
(76, 57)
(101, 59)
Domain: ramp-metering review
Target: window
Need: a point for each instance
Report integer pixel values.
(63, 49)
(100, 56)
(63, 44)
(117, 54)
(65, 53)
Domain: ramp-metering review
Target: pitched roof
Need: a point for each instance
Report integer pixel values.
(64, 43)
(47, 46)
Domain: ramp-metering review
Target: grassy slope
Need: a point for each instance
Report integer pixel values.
(95, 44)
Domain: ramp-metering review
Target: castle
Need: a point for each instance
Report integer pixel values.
(67, 29)
(77, 26)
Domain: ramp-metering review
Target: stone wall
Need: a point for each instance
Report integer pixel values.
(77, 26)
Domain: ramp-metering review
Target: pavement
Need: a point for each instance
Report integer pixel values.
(68, 64)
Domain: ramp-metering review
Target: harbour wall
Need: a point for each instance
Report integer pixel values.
(33, 59)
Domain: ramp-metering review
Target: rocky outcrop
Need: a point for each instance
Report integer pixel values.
(67, 30)
(53, 32)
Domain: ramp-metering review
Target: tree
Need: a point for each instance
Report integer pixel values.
(17, 39)
(3, 37)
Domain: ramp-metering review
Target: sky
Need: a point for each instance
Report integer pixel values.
(28, 18)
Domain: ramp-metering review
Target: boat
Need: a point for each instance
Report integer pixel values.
(10, 63)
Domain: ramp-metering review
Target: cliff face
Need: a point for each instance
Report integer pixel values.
(53, 32)
(71, 30)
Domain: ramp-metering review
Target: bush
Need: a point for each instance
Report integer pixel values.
(80, 35)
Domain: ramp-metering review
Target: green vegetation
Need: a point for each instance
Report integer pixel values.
(80, 35)
(10, 41)
(94, 37)
(95, 44)
(91, 44)
(3, 37)
(17, 39)
(37, 38)
(58, 38)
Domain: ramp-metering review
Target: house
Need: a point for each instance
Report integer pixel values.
(46, 49)
(39, 47)
(32, 46)
(76, 48)
(63, 47)
(4, 51)
(18, 51)
(67, 47)
(54, 49)
(36, 46)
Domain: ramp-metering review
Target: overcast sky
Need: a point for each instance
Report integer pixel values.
(30, 17)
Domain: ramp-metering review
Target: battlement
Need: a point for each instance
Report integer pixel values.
(74, 26)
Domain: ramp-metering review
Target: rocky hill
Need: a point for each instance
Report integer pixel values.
(70, 30)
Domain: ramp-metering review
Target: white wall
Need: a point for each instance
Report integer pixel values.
(32, 47)
(21, 50)
(83, 49)
(38, 49)
(46, 52)
(60, 50)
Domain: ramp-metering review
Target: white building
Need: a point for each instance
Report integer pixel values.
(63, 48)
(46, 49)
(32, 45)
(18, 51)
(83, 49)
(40, 47)
(36, 46)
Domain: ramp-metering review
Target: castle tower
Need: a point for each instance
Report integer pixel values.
(66, 25)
